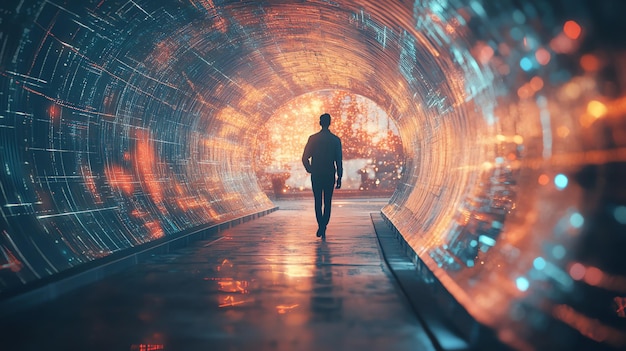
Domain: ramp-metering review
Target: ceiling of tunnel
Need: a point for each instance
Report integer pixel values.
(143, 113)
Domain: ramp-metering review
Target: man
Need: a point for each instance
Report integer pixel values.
(322, 158)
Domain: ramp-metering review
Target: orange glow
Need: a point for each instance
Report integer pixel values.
(596, 108)
(229, 301)
(536, 83)
(586, 120)
(54, 111)
(543, 179)
(562, 131)
(145, 164)
(486, 53)
(13, 263)
(138, 214)
(572, 29)
(543, 56)
(163, 53)
(572, 90)
(282, 309)
(524, 92)
(88, 178)
(620, 302)
(154, 229)
(119, 179)
(593, 276)
(562, 44)
(589, 63)
(589, 327)
(147, 347)
(233, 286)
(577, 271)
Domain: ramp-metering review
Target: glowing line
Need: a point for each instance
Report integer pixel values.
(43, 255)
(147, 76)
(82, 25)
(139, 7)
(68, 45)
(60, 150)
(77, 212)
(217, 70)
(27, 76)
(214, 241)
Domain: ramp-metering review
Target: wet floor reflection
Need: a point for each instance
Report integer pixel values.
(326, 302)
(268, 284)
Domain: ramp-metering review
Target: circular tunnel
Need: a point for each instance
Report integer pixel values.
(124, 122)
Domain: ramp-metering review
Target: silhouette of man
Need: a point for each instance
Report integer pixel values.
(322, 158)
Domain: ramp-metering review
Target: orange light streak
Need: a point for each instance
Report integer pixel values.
(13, 264)
(229, 301)
(89, 182)
(233, 286)
(147, 347)
(282, 309)
(589, 327)
(145, 164)
(154, 229)
(54, 111)
(119, 179)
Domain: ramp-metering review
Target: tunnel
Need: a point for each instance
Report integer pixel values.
(125, 123)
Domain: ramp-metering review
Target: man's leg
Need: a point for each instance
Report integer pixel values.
(328, 197)
(317, 194)
(329, 185)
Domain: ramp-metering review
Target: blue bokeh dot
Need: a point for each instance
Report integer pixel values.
(526, 64)
(561, 181)
(522, 283)
(539, 263)
(576, 220)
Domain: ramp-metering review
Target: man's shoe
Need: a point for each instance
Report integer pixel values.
(319, 232)
(324, 233)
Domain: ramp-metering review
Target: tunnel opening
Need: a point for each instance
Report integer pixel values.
(373, 156)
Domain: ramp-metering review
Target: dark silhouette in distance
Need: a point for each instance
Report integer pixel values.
(322, 158)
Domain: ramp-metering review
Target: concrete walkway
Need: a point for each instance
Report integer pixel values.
(268, 284)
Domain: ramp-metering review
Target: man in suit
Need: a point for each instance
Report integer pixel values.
(322, 158)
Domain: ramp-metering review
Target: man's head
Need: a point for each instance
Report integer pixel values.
(325, 120)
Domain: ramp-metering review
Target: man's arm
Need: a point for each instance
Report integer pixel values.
(306, 155)
(339, 163)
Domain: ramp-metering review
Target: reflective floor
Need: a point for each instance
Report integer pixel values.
(268, 284)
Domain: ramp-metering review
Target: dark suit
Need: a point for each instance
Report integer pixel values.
(322, 158)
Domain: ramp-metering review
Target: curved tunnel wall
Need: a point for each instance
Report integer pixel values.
(124, 122)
